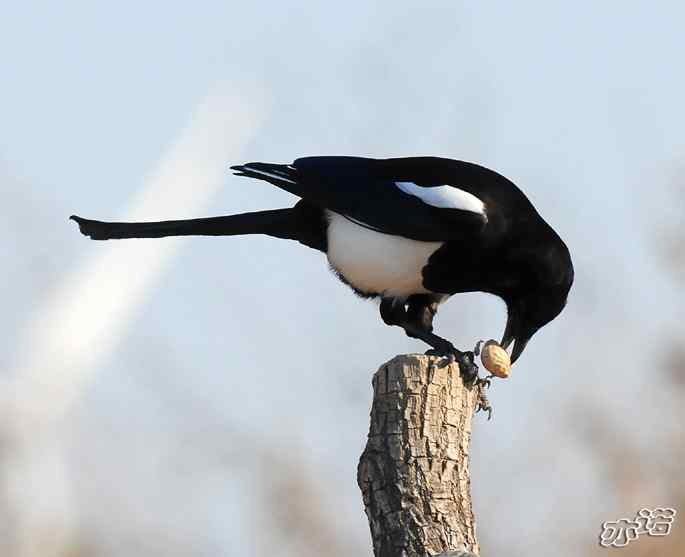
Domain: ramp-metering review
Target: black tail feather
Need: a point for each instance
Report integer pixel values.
(278, 223)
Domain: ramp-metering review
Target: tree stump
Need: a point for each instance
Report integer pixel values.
(414, 471)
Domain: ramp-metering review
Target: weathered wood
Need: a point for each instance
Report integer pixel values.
(414, 471)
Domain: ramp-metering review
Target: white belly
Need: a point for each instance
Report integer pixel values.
(377, 263)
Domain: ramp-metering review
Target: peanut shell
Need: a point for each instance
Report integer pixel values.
(496, 359)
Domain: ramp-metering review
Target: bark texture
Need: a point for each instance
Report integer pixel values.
(414, 471)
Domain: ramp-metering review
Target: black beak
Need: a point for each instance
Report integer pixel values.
(509, 332)
(519, 345)
(517, 332)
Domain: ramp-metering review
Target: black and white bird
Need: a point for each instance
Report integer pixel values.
(410, 231)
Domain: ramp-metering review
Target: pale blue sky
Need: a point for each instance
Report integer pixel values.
(579, 103)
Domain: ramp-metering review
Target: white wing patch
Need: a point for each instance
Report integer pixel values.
(445, 197)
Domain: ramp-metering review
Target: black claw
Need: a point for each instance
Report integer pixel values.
(485, 382)
(447, 352)
(477, 348)
(467, 367)
(445, 362)
(484, 406)
(489, 410)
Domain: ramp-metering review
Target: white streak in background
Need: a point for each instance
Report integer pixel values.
(69, 336)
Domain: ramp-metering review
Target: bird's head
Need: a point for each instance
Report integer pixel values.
(526, 315)
(537, 301)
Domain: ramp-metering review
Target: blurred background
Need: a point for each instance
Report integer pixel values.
(210, 396)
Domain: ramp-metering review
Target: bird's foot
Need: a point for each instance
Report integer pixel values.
(485, 381)
(468, 371)
(483, 402)
(467, 366)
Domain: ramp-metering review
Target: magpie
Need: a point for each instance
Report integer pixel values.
(411, 231)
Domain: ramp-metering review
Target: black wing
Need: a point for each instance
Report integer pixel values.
(367, 191)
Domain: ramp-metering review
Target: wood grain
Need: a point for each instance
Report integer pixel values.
(414, 471)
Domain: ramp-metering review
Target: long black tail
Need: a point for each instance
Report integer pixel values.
(279, 223)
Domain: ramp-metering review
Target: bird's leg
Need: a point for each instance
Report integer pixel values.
(418, 323)
(483, 402)
(485, 381)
